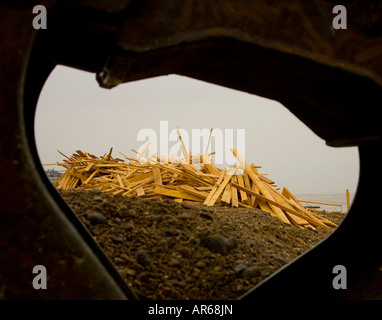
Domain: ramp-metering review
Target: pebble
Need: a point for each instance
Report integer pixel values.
(117, 238)
(250, 243)
(132, 213)
(184, 252)
(206, 216)
(97, 199)
(194, 241)
(281, 259)
(252, 272)
(188, 206)
(130, 272)
(241, 267)
(129, 226)
(163, 244)
(239, 288)
(174, 263)
(171, 293)
(216, 269)
(172, 233)
(119, 260)
(96, 218)
(142, 258)
(219, 244)
(200, 264)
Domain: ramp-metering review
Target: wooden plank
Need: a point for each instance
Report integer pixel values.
(183, 147)
(347, 200)
(120, 181)
(234, 197)
(279, 198)
(274, 203)
(140, 177)
(318, 202)
(141, 154)
(247, 184)
(176, 194)
(291, 199)
(204, 188)
(256, 202)
(261, 177)
(210, 166)
(259, 184)
(140, 192)
(264, 206)
(136, 185)
(91, 176)
(289, 195)
(218, 189)
(214, 188)
(193, 191)
(89, 166)
(157, 176)
(243, 195)
(226, 197)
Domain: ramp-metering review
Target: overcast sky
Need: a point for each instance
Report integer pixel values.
(74, 113)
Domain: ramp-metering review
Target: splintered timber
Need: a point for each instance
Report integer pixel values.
(190, 179)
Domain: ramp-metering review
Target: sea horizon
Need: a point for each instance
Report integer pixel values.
(333, 198)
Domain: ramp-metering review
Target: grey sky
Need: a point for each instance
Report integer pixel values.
(74, 113)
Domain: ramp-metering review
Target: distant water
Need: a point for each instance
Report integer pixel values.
(336, 198)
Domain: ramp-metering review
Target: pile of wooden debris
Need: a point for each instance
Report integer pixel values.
(188, 179)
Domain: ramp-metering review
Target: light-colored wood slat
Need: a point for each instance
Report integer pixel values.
(289, 195)
(226, 197)
(347, 200)
(176, 194)
(219, 190)
(140, 177)
(279, 198)
(91, 176)
(265, 179)
(259, 184)
(243, 195)
(89, 166)
(265, 207)
(215, 187)
(140, 191)
(210, 166)
(183, 147)
(157, 176)
(183, 181)
(247, 184)
(209, 188)
(120, 181)
(193, 191)
(293, 202)
(235, 202)
(270, 201)
(319, 202)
